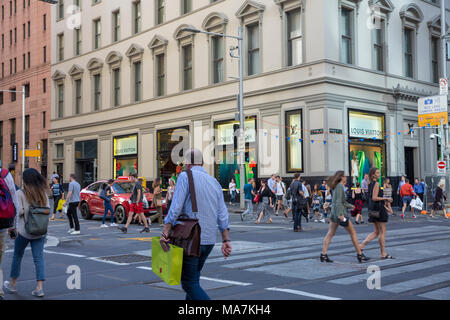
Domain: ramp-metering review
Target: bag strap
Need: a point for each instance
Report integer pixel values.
(4, 173)
(192, 190)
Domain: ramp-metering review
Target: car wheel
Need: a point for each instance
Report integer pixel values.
(85, 212)
(121, 215)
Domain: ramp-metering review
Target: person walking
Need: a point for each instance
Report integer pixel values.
(400, 185)
(73, 200)
(249, 193)
(137, 205)
(212, 215)
(170, 192)
(299, 202)
(232, 188)
(265, 205)
(317, 203)
(58, 194)
(339, 216)
(271, 183)
(357, 196)
(328, 202)
(323, 188)
(108, 194)
(377, 213)
(387, 194)
(8, 189)
(419, 188)
(407, 193)
(34, 193)
(280, 192)
(439, 200)
(157, 201)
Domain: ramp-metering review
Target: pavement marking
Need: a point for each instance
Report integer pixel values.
(416, 283)
(394, 271)
(109, 262)
(237, 283)
(440, 294)
(66, 254)
(146, 239)
(145, 268)
(303, 293)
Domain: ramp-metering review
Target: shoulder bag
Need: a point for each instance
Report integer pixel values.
(186, 233)
(374, 206)
(36, 223)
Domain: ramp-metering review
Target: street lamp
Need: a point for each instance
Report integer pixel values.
(241, 139)
(23, 123)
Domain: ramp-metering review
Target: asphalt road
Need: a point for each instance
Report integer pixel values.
(268, 262)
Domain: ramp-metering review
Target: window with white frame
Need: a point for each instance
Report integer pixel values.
(379, 47)
(160, 11)
(408, 52)
(97, 91)
(137, 19)
(116, 26)
(137, 70)
(253, 54)
(187, 67)
(116, 87)
(78, 41)
(186, 6)
(217, 59)
(346, 35)
(435, 59)
(78, 99)
(97, 33)
(160, 75)
(60, 101)
(294, 37)
(61, 47)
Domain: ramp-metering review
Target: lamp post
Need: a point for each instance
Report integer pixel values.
(241, 138)
(23, 123)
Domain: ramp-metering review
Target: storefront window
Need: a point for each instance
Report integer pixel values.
(227, 153)
(171, 145)
(367, 144)
(125, 155)
(86, 161)
(294, 142)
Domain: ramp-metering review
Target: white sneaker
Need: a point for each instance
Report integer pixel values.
(316, 221)
(75, 233)
(70, 231)
(103, 226)
(113, 225)
(322, 220)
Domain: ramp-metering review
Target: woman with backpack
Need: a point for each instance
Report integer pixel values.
(33, 213)
(58, 194)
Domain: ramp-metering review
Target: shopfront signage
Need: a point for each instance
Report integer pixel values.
(316, 131)
(125, 146)
(431, 110)
(366, 126)
(15, 149)
(336, 131)
(225, 132)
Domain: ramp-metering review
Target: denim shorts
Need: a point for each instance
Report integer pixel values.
(407, 200)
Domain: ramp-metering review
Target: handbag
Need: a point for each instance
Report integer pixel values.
(256, 199)
(60, 206)
(374, 214)
(186, 233)
(167, 265)
(344, 223)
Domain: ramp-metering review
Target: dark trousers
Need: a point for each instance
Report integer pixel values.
(190, 276)
(297, 212)
(55, 202)
(73, 216)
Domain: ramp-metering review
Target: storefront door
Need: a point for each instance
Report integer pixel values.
(125, 155)
(86, 162)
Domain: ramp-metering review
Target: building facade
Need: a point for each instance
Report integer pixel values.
(25, 61)
(329, 85)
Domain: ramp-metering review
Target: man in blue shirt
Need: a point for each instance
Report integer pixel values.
(212, 215)
(419, 188)
(249, 194)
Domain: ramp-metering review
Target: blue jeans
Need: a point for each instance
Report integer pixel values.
(249, 204)
(232, 196)
(190, 276)
(108, 207)
(37, 249)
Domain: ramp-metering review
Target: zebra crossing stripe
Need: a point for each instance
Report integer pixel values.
(303, 293)
(416, 283)
(394, 271)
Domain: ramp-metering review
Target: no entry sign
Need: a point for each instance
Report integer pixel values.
(441, 166)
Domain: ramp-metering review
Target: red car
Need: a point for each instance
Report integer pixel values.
(91, 204)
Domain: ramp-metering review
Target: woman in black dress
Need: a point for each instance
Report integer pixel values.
(376, 204)
(265, 203)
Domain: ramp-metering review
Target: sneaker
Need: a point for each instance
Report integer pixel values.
(38, 293)
(414, 216)
(403, 216)
(316, 221)
(123, 229)
(70, 231)
(242, 217)
(145, 230)
(76, 233)
(103, 226)
(322, 220)
(161, 225)
(113, 225)
(8, 286)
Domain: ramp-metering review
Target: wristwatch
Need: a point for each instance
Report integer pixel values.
(226, 241)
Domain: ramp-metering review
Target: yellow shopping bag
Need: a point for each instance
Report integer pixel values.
(167, 265)
(60, 205)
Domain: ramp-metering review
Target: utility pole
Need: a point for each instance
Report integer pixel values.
(241, 120)
(23, 130)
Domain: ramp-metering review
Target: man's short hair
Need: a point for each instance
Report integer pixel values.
(296, 175)
(194, 156)
(278, 177)
(407, 180)
(134, 175)
(110, 181)
(73, 176)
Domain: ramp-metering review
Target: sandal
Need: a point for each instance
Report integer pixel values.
(270, 221)
(257, 222)
(387, 257)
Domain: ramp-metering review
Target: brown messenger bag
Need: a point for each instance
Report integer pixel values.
(186, 233)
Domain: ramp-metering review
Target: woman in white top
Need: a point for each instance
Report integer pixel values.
(232, 187)
(170, 192)
(34, 192)
(280, 192)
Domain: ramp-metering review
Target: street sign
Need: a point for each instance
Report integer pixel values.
(443, 87)
(15, 157)
(441, 166)
(431, 110)
(32, 153)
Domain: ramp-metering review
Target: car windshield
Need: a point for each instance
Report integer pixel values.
(123, 187)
